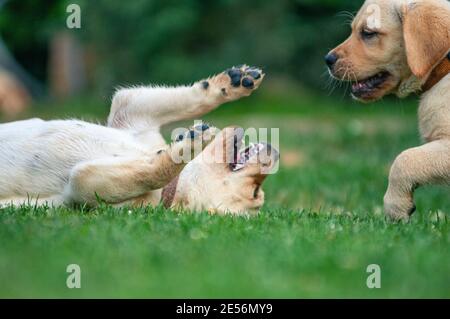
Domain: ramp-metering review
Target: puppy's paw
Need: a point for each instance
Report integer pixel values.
(192, 142)
(200, 132)
(234, 83)
(398, 209)
(244, 77)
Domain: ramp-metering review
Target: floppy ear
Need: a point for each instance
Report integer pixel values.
(426, 30)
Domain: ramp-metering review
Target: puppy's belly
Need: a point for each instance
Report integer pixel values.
(36, 157)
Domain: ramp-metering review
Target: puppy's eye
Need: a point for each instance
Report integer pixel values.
(368, 34)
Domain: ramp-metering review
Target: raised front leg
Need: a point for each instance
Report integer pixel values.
(427, 164)
(144, 108)
(119, 179)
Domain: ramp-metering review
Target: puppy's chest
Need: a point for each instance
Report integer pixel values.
(434, 112)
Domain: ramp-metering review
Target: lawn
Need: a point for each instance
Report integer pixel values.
(322, 224)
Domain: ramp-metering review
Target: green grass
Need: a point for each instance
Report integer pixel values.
(322, 224)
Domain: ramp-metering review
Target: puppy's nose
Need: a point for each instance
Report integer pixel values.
(331, 59)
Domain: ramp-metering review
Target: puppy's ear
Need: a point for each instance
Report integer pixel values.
(426, 29)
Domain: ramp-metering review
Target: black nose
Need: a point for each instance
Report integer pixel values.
(331, 59)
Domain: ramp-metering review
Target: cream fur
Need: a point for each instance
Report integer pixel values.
(413, 38)
(126, 162)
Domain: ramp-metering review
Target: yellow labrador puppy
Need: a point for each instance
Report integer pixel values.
(127, 162)
(402, 47)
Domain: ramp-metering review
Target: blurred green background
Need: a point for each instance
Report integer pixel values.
(152, 41)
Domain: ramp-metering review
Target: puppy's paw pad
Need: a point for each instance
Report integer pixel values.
(255, 73)
(205, 131)
(248, 83)
(200, 132)
(201, 127)
(234, 83)
(245, 76)
(235, 76)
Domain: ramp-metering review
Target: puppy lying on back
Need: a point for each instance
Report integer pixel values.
(128, 162)
(402, 47)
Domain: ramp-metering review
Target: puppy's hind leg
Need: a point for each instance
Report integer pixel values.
(151, 107)
(118, 179)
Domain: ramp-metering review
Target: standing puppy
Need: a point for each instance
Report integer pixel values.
(402, 47)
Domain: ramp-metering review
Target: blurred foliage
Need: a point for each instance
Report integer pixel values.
(174, 41)
(26, 26)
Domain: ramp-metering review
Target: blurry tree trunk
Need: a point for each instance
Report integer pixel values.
(8, 63)
(14, 97)
(16, 85)
(66, 66)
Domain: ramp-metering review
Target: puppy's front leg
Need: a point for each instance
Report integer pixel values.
(427, 164)
(146, 107)
(116, 179)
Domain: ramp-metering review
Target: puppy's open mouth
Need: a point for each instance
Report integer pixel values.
(365, 89)
(243, 154)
